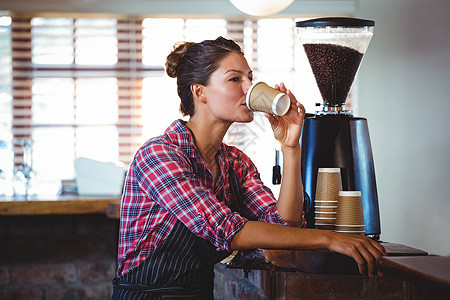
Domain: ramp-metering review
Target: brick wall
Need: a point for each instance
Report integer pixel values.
(57, 257)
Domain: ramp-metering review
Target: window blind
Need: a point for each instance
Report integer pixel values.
(96, 86)
(5, 103)
(5, 78)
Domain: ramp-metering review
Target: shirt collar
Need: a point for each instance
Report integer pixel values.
(180, 135)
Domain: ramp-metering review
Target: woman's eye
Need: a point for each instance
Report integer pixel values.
(235, 79)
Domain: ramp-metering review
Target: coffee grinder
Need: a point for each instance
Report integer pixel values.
(333, 137)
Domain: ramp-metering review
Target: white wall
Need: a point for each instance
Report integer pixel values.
(404, 91)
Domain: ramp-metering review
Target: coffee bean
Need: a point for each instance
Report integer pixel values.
(334, 68)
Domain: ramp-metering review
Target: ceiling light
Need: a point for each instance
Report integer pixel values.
(261, 7)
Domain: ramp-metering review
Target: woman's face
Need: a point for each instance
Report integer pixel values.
(227, 89)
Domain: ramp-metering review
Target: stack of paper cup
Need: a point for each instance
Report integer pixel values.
(349, 216)
(329, 183)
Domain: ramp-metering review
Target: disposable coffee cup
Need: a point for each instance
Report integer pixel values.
(349, 209)
(329, 183)
(261, 97)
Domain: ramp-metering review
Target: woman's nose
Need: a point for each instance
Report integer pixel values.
(246, 86)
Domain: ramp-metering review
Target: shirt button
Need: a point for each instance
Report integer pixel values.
(199, 215)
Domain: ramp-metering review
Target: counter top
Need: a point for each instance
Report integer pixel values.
(59, 205)
(432, 272)
(312, 261)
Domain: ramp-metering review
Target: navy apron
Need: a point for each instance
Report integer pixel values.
(182, 267)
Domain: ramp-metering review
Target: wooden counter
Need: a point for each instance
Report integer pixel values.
(311, 261)
(60, 205)
(426, 276)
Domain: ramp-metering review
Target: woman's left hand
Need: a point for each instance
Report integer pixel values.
(288, 128)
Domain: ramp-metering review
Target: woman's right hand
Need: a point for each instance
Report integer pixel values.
(287, 129)
(363, 250)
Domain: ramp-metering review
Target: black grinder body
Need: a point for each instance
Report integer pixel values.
(340, 141)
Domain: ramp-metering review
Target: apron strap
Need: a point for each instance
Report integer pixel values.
(236, 191)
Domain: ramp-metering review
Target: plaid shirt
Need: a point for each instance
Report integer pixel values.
(168, 181)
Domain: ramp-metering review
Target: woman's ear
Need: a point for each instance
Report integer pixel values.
(198, 92)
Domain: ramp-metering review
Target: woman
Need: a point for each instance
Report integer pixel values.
(190, 200)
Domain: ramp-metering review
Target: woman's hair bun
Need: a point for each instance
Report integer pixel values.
(175, 58)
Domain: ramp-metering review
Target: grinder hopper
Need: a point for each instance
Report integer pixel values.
(335, 48)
